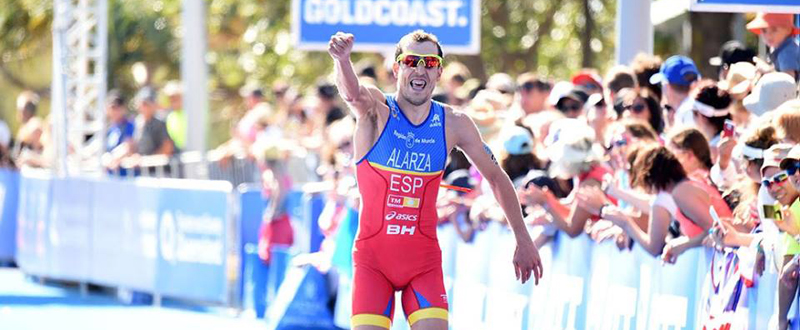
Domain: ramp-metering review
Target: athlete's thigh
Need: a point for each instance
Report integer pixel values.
(425, 300)
(373, 299)
(430, 324)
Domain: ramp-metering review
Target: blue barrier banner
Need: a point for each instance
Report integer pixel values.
(251, 212)
(379, 24)
(124, 239)
(33, 224)
(9, 203)
(746, 6)
(302, 302)
(192, 240)
(314, 205)
(70, 231)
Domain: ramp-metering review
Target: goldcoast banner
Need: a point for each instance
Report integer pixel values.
(379, 24)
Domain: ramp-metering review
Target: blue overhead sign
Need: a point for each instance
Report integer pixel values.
(744, 6)
(379, 24)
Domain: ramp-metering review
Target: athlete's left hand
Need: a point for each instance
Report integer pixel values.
(527, 261)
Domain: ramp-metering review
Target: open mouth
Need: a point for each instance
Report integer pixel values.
(418, 84)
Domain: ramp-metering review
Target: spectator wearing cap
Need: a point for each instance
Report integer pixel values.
(787, 122)
(589, 80)
(772, 90)
(571, 103)
(176, 119)
(119, 133)
(776, 30)
(519, 158)
(730, 53)
(738, 83)
(150, 133)
(677, 77)
(533, 93)
(786, 195)
(739, 78)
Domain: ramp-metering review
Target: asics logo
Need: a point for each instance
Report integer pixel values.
(400, 216)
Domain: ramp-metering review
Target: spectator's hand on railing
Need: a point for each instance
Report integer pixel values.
(673, 249)
(603, 230)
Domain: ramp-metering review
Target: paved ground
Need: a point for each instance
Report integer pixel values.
(28, 305)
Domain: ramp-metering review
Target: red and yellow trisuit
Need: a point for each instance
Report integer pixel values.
(396, 247)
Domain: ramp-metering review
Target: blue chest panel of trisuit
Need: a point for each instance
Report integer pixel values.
(405, 147)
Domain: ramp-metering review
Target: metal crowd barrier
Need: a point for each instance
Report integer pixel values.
(192, 165)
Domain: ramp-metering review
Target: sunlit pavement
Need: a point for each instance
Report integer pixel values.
(26, 304)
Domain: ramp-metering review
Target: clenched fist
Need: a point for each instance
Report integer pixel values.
(340, 46)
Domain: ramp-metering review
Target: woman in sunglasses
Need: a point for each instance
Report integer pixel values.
(642, 105)
(791, 164)
(777, 183)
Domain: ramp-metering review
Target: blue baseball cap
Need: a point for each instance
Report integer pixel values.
(518, 141)
(676, 70)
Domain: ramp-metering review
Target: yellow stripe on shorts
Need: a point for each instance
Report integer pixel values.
(370, 319)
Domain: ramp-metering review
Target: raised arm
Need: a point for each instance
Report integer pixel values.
(361, 99)
(526, 256)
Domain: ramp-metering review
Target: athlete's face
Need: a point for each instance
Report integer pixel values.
(416, 84)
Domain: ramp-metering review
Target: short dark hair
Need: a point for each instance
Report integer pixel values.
(693, 140)
(639, 129)
(620, 77)
(656, 169)
(326, 90)
(418, 36)
(718, 98)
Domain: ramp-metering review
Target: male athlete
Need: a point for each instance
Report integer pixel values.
(401, 144)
